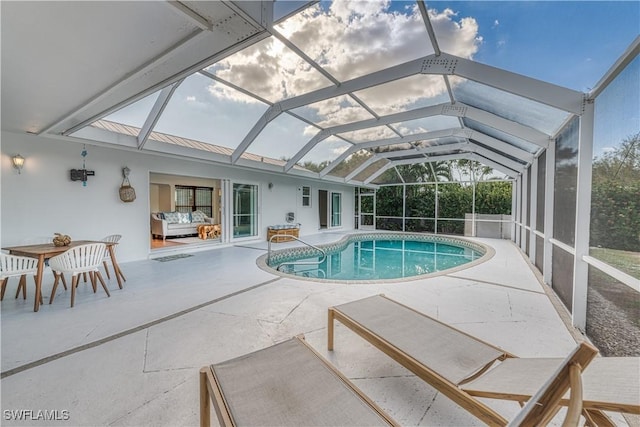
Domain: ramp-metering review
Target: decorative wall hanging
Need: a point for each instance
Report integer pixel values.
(82, 174)
(127, 192)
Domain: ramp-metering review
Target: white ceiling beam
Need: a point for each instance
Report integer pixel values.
(272, 112)
(427, 22)
(426, 150)
(339, 160)
(497, 166)
(629, 55)
(362, 167)
(156, 111)
(468, 155)
(364, 124)
(91, 133)
(259, 13)
(536, 90)
(384, 76)
(511, 164)
(465, 133)
(387, 75)
(378, 172)
(459, 110)
(500, 146)
(194, 52)
(192, 16)
(527, 133)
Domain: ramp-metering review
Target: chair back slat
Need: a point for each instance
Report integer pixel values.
(14, 265)
(79, 258)
(113, 238)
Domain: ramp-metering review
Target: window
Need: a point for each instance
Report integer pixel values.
(306, 196)
(190, 198)
(336, 209)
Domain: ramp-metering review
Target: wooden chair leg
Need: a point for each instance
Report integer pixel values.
(35, 282)
(74, 284)
(84, 276)
(22, 285)
(64, 281)
(92, 277)
(55, 286)
(106, 269)
(104, 286)
(4, 287)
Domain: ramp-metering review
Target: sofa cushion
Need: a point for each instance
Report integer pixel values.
(186, 228)
(198, 216)
(177, 217)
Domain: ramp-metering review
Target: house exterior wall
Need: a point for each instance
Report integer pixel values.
(43, 200)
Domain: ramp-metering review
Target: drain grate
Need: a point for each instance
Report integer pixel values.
(171, 257)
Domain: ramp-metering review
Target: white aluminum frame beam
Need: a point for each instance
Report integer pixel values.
(465, 133)
(546, 93)
(516, 129)
(157, 109)
(470, 156)
(426, 150)
(549, 200)
(490, 155)
(427, 23)
(387, 75)
(583, 219)
(389, 141)
(536, 90)
(371, 160)
(458, 110)
(162, 70)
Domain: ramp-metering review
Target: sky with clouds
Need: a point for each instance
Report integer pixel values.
(567, 43)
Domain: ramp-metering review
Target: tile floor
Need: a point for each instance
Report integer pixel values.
(133, 359)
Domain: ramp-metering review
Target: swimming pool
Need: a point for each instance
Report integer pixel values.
(379, 257)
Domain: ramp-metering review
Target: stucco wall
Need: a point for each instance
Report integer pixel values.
(43, 200)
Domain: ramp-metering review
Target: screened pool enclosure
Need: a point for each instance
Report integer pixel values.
(389, 99)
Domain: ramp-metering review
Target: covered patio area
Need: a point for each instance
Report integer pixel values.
(133, 359)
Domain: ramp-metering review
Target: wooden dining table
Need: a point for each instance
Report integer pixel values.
(48, 250)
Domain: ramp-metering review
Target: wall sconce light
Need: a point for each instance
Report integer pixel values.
(18, 162)
(270, 185)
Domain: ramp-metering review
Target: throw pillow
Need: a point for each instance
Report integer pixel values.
(185, 218)
(198, 216)
(172, 217)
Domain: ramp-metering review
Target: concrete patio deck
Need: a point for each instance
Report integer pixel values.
(133, 359)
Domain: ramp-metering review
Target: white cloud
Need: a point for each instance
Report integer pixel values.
(349, 39)
(191, 98)
(496, 24)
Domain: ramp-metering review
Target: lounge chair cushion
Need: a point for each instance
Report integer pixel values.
(458, 357)
(287, 385)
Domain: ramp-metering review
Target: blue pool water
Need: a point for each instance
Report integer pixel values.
(379, 259)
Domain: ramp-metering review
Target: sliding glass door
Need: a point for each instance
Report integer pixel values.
(245, 210)
(336, 209)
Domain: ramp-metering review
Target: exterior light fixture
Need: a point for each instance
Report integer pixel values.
(18, 162)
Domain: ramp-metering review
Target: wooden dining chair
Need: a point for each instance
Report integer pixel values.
(16, 266)
(113, 238)
(79, 260)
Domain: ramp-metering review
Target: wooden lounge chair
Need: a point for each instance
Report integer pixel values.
(609, 384)
(441, 355)
(287, 384)
(290, 384)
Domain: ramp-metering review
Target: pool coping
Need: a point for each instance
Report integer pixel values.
(488, 253)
